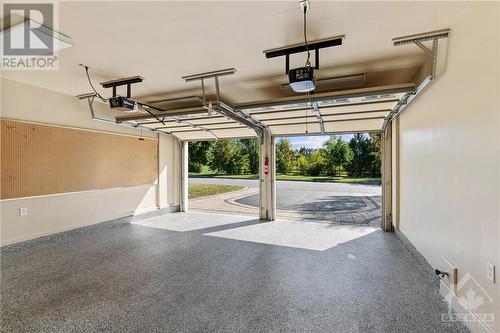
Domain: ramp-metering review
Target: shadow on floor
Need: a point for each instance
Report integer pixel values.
(332, 204)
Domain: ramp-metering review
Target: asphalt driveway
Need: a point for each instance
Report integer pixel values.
(331, 202)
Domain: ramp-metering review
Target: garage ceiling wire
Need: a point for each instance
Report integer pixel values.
(91, 85)
(308, 62)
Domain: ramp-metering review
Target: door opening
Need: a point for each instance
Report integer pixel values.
(327, 178)
(220, 173)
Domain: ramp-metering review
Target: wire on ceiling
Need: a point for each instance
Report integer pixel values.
(304, 6)
(91, 85)
(308, 62)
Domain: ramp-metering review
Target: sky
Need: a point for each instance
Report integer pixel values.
(313, 141)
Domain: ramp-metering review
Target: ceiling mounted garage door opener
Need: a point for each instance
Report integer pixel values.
(302, 79)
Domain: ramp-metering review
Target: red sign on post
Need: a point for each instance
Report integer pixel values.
(266, 166)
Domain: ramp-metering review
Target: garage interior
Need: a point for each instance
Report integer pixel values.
(96, 228)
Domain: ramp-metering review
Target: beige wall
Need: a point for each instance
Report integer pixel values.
(450, 156)
(60, 212)
(55, 213)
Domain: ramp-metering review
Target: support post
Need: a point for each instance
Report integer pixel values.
(387, 179)
(395, 173)
(184, 176)
(162, 200)
(267, 184)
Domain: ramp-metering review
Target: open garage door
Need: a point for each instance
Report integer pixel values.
(194, 122)
(357, 110)
(348, 111)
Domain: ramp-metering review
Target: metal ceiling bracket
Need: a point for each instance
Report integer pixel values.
(217, 105)
(418, 40)
(317, 112)
(128, 81)
(301, 47)
(405, 101)
(239, 116)
(209, 75)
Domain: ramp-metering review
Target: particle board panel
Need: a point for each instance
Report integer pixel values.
(43, 160)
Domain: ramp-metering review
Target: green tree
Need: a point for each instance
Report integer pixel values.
(305, 151)
(302, 163)
(376, 154)
(337, 154)
(251, 150)
(198, 155)
(226, 156)
(361, 161)
(285, 156)
(316, 163)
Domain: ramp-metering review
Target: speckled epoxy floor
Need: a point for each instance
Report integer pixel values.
(124, 277)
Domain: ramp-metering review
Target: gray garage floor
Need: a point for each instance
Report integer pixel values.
(194, 272)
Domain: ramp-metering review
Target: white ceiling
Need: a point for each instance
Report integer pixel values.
(163, 41)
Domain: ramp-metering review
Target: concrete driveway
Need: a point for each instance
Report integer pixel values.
(330, 202)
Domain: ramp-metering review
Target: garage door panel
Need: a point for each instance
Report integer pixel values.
(351, 110)
(377, 114)
(244, 131)
(167, 126)
(358, 108)
(280, 115)
(188, 123)
(354, 110)
(202, 135)
(310, 119)
(296, 129)
(227, 125)
(213, 120)
(354, 125)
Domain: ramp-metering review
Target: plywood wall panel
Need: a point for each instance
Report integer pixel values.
(41, 160)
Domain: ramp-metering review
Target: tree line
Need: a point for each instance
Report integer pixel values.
(360, 157)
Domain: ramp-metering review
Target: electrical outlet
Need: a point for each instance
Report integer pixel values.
(490, 272)
(23, 211)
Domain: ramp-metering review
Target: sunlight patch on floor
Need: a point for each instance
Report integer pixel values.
(190, 221)
(304, 235)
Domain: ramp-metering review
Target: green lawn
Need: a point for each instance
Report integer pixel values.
(353, 180)
(203, 190)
